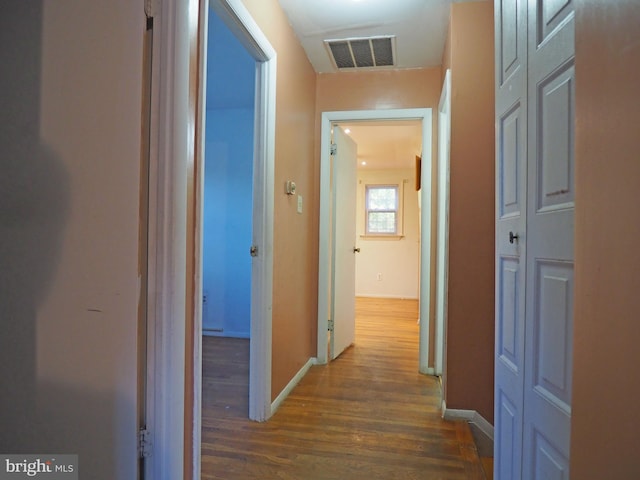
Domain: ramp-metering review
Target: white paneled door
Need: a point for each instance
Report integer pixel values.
(511, 242)
(534, 237)
(549, 287)
(343, 249)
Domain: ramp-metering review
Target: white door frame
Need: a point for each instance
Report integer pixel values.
(174, 128)
(442, 252)
(424, 114)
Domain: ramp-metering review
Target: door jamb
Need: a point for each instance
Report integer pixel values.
(424, 114)
(442, 255)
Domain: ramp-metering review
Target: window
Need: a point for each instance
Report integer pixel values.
(381, 210)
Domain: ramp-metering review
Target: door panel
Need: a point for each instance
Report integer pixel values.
(510, 323)
(552, 332)
(550, 284)
(552, 14)
(555, 139)
(511, 207)
(510, 39)
(507, 435)
(534, 271)
(549, 463)
(344, 237)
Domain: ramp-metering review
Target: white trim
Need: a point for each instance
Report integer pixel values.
(442, 252)
(470, 416)
(175, 25)
(398, 211)
(425, 245)
(168, 166)
(199, 147)
(455, 414)
(292, 384)
(424, 114)
(483, 425)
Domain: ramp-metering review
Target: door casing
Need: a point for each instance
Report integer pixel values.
(328, 118)
(442, 252)
(176, 149)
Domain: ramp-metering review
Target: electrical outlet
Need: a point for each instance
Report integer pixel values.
(379, 277)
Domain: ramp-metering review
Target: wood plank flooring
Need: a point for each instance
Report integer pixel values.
(368, 415)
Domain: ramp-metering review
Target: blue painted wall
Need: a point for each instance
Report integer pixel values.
(228, 184)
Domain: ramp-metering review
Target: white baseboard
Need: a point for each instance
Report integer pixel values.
(471, 416)
(292, 383)
(427, 370)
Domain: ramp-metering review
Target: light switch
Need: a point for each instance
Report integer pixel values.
(299, 203)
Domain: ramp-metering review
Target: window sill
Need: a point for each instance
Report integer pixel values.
(381, 237)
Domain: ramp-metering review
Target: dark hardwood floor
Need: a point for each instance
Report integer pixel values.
(368, 415)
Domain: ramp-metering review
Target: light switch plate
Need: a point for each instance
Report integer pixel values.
(299, 203)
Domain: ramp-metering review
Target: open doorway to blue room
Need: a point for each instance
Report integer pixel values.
(227, 222)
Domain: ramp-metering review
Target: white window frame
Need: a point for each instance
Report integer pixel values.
(395, 211)
(399, 232)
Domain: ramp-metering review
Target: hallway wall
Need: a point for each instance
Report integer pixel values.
(606, 385)
(70, 277)
(469, 53)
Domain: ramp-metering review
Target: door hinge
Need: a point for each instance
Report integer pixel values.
(334, 149)
(145, 445)
(150, 8)
(253, 250)
(330, 325)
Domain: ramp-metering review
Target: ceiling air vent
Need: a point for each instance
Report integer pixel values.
(362, 52)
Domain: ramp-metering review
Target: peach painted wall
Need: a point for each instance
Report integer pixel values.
(606, 385)
(69, 222)
(416, 88)
(470, 331)
(295, 255)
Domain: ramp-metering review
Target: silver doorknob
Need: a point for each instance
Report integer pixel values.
(356, 250)
(513, 237)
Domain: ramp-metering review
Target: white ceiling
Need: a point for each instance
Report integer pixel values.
(386, 144)
(420, 27)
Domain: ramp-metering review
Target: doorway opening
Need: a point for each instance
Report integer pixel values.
(386, 215)
(326, 286)
(176, 218)
(235, 192)
(227, 217)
